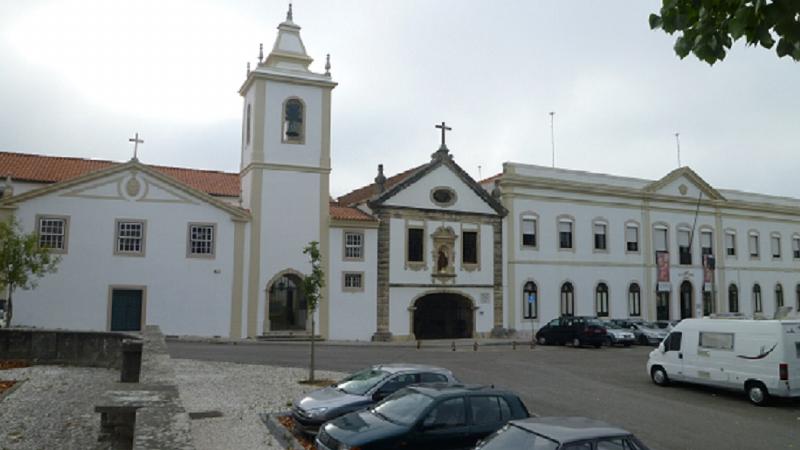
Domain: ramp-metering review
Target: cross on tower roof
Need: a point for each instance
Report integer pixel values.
(444, 129)
(136, 141)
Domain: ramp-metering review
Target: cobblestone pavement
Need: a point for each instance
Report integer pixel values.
(239, 392)
(53, 408)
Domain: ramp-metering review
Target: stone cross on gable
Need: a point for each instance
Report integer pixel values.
(444, 129)
(136, 141)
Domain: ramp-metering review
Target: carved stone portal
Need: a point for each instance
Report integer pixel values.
(444, 239)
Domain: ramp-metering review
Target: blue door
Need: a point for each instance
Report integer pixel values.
(126, 310)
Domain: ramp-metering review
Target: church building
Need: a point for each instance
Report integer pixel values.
(424, 254)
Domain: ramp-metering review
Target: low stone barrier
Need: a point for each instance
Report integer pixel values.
(63, 347)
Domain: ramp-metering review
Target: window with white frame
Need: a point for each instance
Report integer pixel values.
(757, 305)
(752, 242)
(601, 300)
(660, 239)
(796, 247)
(567, 299)
(201, 239)
(529, 300)
(775, 245)
(353, 245)
(778, 296)
(353, 282)
(634, 300)
(53, 233)
(469, 247)
(632, 238)
(600, 239)
(529, 231)
(130, 237)
(565, 234)
(706, 242)
(730, 243)
(684, 246)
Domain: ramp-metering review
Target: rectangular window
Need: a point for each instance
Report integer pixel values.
(684, 247)
(53, 233)
(353, 282)
(565, 235)
(753, 243)
(599, 236)
(716, 341)
(660, 239)
(706, 243)
(632, 238)
(130, 237)
(469, 247)
(353, 245)
(201, 239)
(529, 231)
(775, 244)
(796, 247)
(730, 244)
(415, 245)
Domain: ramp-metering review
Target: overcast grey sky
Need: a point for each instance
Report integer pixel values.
(77, 78)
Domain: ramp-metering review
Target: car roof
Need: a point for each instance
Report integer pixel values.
(568, 429)
(402, 367)
(442, 389)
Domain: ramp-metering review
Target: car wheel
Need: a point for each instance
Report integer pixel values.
(542, 340)
(757, 393)
(598, 345)
(609, 342)
(576, 342)
(642, 340)
(659, 376)
(627, 344)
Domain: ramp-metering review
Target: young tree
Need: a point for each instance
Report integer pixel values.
(22, 261)
(708, 28)
(312, 288)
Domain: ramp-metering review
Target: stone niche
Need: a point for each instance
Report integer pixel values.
(444, 255)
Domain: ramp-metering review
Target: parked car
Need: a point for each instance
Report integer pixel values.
(425, 417)
(760, 357)
(666, 324)
(648, 333)
(619, 336)
(575, 330)
(557, 433)
(360, 390)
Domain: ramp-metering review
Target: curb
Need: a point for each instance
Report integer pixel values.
(9, 391)
(279, 432)
(404, 344)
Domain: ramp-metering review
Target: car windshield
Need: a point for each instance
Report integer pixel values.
(511, 436)
(595, 322)
(404, 407)
(360, 383)
(648, 325)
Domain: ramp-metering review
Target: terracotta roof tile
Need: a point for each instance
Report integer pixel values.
(491, 178)
(52, 169)
(339, 212)
(364, 193)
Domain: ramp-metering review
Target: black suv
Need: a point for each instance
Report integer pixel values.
(575, 330)
(432, 416)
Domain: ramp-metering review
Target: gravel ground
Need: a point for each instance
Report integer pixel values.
(240, 392)
(53, 408)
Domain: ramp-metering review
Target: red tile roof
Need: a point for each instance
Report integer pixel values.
(365, 193)
(339, 212)
(52, 169)
(491, 178)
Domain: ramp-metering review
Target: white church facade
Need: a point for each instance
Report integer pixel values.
(428, 253)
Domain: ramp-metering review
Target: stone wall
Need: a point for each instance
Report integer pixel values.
(76, 348)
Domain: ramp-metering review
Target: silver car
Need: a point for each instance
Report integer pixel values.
(619, 336)
(648, 333)
(361, 390)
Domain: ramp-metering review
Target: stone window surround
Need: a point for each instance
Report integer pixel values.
(453, 196)
(529, 215)
(112, 288)
(638, 299)
(683, 227)
(570, 219)
(600, 221)
(346, 288)
(344, 245)
(772, 236)
(473, 227)
(415, 265)
(661, 226)
(562, 294)
(65, 249)
(795, 239)
(633, 224)
(730, 232)
(704, 229)
(754, 233)
(214, 235)
(117, 252)
(302, 139)
(597, 299)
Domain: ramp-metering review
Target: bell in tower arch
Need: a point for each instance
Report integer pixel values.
(293, 120)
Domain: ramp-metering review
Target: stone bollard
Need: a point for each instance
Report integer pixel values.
(131, 361)
(475, 346)
(453, 346)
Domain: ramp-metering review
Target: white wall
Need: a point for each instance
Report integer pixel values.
(418, 195)
(353, 315)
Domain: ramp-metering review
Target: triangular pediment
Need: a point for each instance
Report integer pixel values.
(424, 190)
(683, 182)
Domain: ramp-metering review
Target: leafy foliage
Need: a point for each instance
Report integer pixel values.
(708, 28)
(22, 261)
(312, 289)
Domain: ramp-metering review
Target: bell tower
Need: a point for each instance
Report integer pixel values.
(284, 171)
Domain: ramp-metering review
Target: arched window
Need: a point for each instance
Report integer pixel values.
(601, 300)
(778, 296)
(733, 298)
(530, 309)
(634, 300)
(293, 123)
(757, 306)
(567, 299)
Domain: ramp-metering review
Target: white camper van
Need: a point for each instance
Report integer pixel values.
(762, 357)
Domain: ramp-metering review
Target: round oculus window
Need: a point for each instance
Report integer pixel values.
(443, 196)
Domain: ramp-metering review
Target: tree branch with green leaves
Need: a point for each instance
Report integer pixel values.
(312, 290)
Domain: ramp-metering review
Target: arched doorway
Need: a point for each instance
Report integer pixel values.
(287, 305)
(443, 316)
(687, 300)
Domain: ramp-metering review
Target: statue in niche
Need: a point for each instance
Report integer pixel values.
(442, 261)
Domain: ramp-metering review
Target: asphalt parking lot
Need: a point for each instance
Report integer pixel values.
(608, 384)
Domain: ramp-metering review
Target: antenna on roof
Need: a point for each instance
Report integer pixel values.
(480, 177)
(678, 143)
